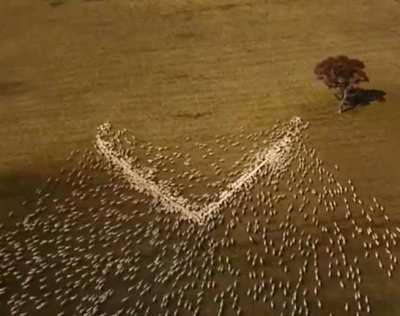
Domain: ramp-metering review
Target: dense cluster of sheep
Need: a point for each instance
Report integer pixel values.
(137, 230)
(268, 161)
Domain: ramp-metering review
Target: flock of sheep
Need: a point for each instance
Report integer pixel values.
(136, 229)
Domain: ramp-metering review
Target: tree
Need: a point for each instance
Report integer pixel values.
(342, 74)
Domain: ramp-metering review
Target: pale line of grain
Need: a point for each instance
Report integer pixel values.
(142, 184)
(275, 157)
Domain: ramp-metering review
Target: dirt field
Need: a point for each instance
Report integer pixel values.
(166, 70)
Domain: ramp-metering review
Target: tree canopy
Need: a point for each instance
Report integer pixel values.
(341, 72)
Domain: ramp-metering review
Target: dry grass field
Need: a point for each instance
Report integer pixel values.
(168, 70)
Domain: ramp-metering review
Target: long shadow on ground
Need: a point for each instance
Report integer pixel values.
(363, 97)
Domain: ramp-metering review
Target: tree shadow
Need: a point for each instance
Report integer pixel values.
(362, 97)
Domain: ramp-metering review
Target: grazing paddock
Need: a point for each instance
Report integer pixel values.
(204, 89)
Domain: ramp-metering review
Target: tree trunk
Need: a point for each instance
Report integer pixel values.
(344, 97)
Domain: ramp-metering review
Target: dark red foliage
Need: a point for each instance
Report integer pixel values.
(341, 72)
